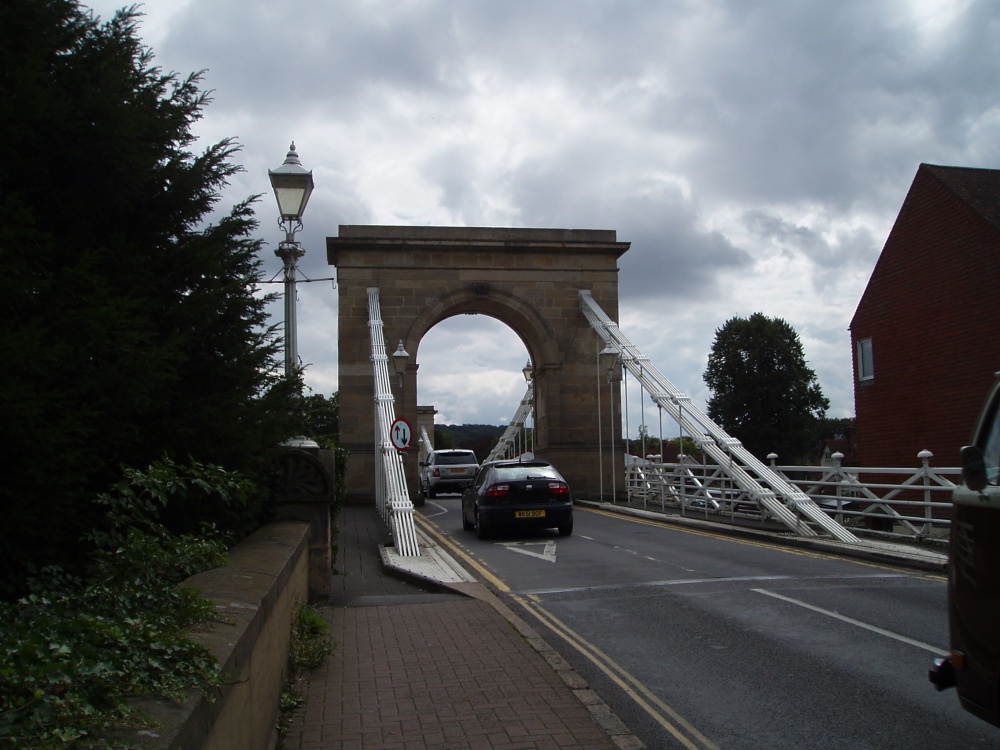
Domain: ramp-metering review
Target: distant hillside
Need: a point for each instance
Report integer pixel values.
(479, 438)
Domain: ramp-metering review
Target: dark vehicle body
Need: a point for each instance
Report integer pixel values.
(445, 471)
(973, 666)
(517, 495)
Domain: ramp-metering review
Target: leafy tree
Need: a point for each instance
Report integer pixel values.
(668, 451)
(443, 438)
(839, 427)
(130, 331)
(763, 392)
(478, 438)
(322, 418)
(77, 649)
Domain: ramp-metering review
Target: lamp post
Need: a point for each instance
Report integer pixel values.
(292, 185)
(528, 375)
(608, 359)
(400, 360)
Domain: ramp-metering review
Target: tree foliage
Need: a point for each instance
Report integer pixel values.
(322, 418)
(478, 438)
(77, 648)
(763, 392)
(130, 331)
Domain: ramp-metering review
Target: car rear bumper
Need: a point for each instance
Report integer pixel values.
(450, 485)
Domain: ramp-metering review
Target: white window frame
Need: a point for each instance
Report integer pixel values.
(866, 366)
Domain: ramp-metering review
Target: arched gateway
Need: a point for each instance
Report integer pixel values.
(529, 279)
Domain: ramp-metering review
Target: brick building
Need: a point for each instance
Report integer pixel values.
(926, 334)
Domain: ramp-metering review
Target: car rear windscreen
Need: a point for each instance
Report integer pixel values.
(520, 473)
(454, 459)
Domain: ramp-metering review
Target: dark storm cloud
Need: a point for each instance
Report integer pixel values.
(848, 248)
(670, 259)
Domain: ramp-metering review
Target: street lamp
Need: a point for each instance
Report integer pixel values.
(608, 361)
(400, 360)
(528, 375)
(292, 185)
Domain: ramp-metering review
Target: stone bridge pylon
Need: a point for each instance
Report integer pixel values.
(528, 279)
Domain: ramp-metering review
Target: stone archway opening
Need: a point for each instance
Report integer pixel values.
(469, 370)
(529, 279)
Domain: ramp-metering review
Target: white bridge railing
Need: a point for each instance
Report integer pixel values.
(771, 492)
(391, 495)
(514, 440)
(893, 503)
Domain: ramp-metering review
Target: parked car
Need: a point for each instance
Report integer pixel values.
(447, 471)
(517, 494)
(973, 666)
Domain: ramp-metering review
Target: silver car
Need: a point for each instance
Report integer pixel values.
(447, 471)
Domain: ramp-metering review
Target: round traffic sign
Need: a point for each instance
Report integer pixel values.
(400, 434)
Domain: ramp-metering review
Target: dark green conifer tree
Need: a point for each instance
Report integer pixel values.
(130, 328)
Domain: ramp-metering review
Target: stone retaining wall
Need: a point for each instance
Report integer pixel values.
(255, 594)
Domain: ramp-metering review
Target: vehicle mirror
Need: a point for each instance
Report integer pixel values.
(973, 468)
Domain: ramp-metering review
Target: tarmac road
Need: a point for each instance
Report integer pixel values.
(698, 639)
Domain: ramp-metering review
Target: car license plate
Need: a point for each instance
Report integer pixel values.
(529, 514)
(456, 471)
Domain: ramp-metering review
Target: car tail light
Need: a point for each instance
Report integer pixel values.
(558, 488)
(958, 660)
(436, 473)
(498, 490)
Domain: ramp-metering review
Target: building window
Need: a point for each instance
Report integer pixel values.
(865, 369)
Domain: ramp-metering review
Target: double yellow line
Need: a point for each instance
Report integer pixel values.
(675, 724)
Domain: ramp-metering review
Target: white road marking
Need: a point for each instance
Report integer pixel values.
(548, 553)
(857, 623)
(441, 510)
(690, 581)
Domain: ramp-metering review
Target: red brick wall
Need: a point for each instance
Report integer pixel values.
(931, 310)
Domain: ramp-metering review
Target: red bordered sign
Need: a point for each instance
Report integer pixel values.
(400, 434)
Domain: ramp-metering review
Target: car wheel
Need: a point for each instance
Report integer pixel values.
(465, 523)
(431, 493)
(566, 529)
(480, 525)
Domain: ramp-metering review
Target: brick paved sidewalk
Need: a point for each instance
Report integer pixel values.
(446, 674)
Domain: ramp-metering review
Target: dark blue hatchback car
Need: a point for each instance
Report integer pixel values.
(517, 494)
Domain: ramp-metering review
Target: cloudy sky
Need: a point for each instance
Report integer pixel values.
(754, 152)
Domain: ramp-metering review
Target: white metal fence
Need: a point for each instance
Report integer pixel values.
(391, 495)
(514, 440)
(896, 503)
(735, 467)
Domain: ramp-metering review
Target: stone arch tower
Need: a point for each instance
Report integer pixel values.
(527, 278)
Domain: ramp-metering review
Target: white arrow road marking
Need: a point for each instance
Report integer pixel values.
(548, 554)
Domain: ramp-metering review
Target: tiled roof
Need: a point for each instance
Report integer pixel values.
(979, 188)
